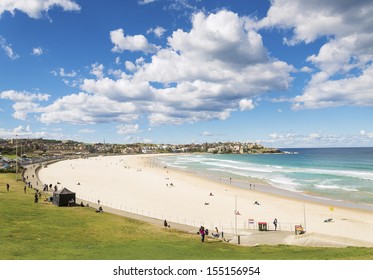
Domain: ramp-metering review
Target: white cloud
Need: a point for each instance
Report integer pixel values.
(62, 73)
(206, 133)
(317, 139)
(246, 105)
(87, 130)
(366, 134)
(344, 61)
(144, 2)
(26, 132)
(7, 48)
(84, 108)
(355, 91)
(128, 129)
(223, 36)
(97, 70)
(205, 73)
(306, 69)
(35, 8)
(24, 102)
(23, 96)
(158, 31)
(130, 66)
(130, 43)
(37, 51)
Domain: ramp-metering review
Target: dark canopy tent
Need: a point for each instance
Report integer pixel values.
(62, 197)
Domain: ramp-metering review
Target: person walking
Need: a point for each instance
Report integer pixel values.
(202, 233)
(275, 223)
(7, 187)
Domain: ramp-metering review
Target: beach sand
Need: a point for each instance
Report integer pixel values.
(138, 184)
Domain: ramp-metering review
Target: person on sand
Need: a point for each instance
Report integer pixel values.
(216, 235)
(166, 224)
(275, 223)
(99, 210)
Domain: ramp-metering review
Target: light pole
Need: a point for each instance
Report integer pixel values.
(16, 159)
(304, 215)
(235, 213)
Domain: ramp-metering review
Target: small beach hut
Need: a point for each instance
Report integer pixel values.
(62, 197)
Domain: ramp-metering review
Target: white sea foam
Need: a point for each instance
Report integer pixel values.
(327, 186)
(293, 178)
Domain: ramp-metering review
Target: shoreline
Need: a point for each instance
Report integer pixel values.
(147, 191)
(264, 186)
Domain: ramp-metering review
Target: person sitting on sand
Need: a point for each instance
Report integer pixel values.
(256, 203)
(206, 203)
(237, 212)
(216, 235)
(211, 194)
(99, 210)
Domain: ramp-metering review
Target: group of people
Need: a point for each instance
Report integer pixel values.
(203, 232)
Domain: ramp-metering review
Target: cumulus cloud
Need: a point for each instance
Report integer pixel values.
(26, 132)
(62, 73)
(87, 130)
(206, 72)
(23, 96)
(7, 48)
(128, 129)
(366, 134)
(35, 8)
(37, 51)
(246, 105)
(130, 43)
(158, 31)
(355, 91)
(343, 61)
(84, 108)
(97, 70)
(24, 102)
(207, 133)
(317, 139)
(144, 2)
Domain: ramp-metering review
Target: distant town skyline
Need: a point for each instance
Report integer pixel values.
(282, 73)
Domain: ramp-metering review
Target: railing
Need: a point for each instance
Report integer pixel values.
(228, 226)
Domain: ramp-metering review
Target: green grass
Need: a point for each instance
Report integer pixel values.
(45, 232)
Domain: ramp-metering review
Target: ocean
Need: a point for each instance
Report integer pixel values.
(340, 174)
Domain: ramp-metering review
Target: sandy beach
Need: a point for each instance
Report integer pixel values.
(137, 184)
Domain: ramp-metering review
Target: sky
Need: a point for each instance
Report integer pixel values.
(282, 73)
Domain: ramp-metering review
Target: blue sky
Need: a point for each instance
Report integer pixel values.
(284, 73)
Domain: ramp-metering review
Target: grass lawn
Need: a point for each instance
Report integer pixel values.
(42, 231)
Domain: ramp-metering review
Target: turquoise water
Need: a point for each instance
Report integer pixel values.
(334, 173)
